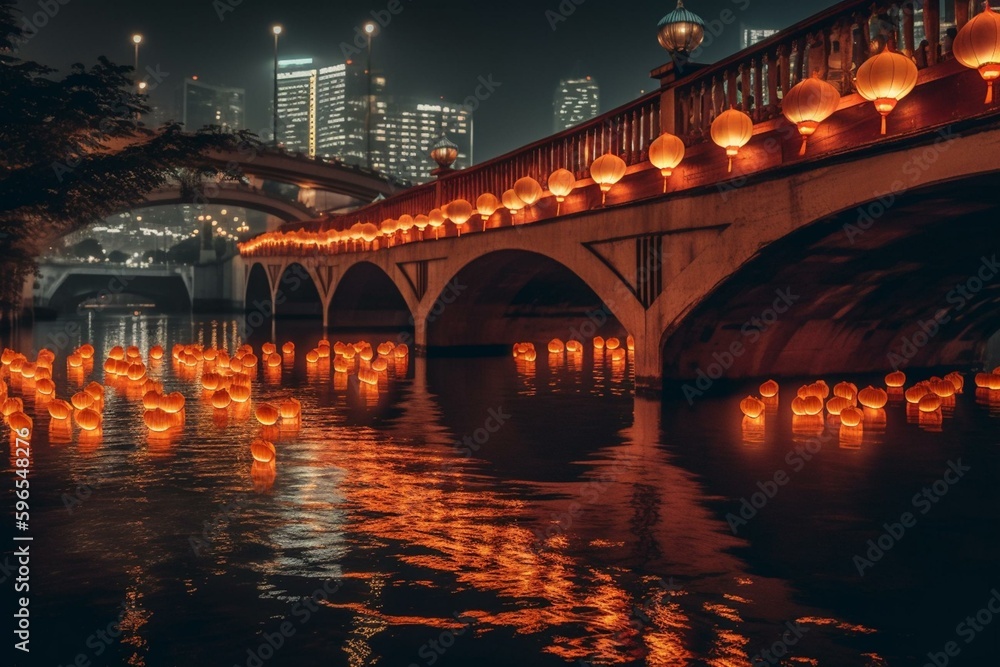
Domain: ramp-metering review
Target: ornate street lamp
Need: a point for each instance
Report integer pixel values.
(680, 32)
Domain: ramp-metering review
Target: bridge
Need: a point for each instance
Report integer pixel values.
(869, 250)
(62, 286)
(228, 193)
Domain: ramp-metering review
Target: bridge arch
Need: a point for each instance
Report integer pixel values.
(257, 294)
(366, 298)
(899, 280)
(511, 295)
(296, 295)
(168, 293)
(286, 210)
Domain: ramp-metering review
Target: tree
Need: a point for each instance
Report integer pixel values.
(87, 248)
(117, 257)
(72, 151)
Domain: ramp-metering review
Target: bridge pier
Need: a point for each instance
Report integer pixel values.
(648, 366)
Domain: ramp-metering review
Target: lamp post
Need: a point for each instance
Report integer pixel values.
(136, 40)
(276, 30)
(369, 33)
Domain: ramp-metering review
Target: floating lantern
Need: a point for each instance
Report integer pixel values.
(915, 393)
(630, 343)
(752, 407)
(574, 346)
(528, 190)
(606, 171)
(400, 351)
(19, 421)
(556, 346)
(156, 352)
(957, 381)
(812, 405)
(846, 390)
(288, 348)
(618, 354)
(60, 409)
(929, 402)
(598, 343)
(385, 348)
(561, 184)
(895, 379)
(367, 354)
(367, 376)
(977, 46)
(837, 405)
(290, 409)
(172, 403)
(851, 416)
(732, 130)
(136, 372)
(12, 405)
(210, 381)
(45, 387)
(886, 78)
(943, 388)
(871, 397)
(312, 356)
(157, 421)
(487, 205)
(380, 365)
(239, 393)
(86, 351)
(262, 451)
(769, 389)
(221, 399)
(809, 103)
(273, 360)
(88, 419)
(74, 361)
(82, 400)
(267, 414)
(268, 348)
(612, 344)
(666, 153)
(151, 400)
(798, 406)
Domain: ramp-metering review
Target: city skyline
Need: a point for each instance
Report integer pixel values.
(232, 47)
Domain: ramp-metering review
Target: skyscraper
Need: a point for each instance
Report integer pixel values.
(576, 101)
(414, 127)
(202, 104)
(752, 36)
(297, 105)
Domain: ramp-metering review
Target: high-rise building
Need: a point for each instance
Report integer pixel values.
(752, 36)
(202, 104)
(297, 105)
(576, 101)
(415, 126)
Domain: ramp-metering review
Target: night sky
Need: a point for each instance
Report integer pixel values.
(432, 48)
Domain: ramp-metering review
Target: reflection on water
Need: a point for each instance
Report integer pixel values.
(487, 511)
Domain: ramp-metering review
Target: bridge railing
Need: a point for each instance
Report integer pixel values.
(832, 45)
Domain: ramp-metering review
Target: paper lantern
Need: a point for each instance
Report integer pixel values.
(561, 184)
(60, 409)
(262, 450)
(732, 130)
(612, 344)
(798, 406)
(512, 203)
(388, 228)
(221, 399)
(400, 351)
(851, 416)
(290, 409)
(929, 403)
(487, 205)
(752, 407)
(871, 397)
(267, 414)
(665, 153)
(136, 371)
(574, 346)
(380, 365)
(838, 404)
(436, 219)
(172, 403)
(606, 171)
(943, 388)
(157, 421)
(88, 419)
(630, 343)
(151, 400)
(528, 190)
(895, 379)
(956, 380)
(809, 103)
(45, 387)
(769, 389)
(618, 354)
(459, 212)
(812, 405)
(117, 352)
(239, 393)
(977, 46)
(86, 351)
(74, 360)
(846, 390)
(421, 222)
(19, 421)
(82, 400)
(369, 232)
(156, 352)
(385, 348)
(556, 346)
(884, 79)
(367, 376)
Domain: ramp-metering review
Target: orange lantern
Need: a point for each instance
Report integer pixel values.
(82, 400)
(12, 405)
(267, 414)
(262, 450)
(895, 379)
(151, 400)
(812, 405)
(86, 351)
(74, 361)
(846, 390)
(459, 212)
(88, 420)
(487, 205)
(436, 219)
(630, 343)
(769, 389)
(60, 409)
(172, 403)
(288, 348)
(221, 399)
(561, 184)
(19, 421)
(752, 407)
(367, 376)
(420, 222)
(837, 405)
(606, 171)
(574, 346)
(556, 346)
(157, 421)
(156, 352)
(929, 403)
(612, 344)
(400, 351)
(45, 387)
(873, 398)
(809, 103)
(977, 46)
(528, 190)
(379, 365)
(943, 388)
(290, 409)
(240, 393)
(312, 356)
(851, 416)
(732, 130)
(886, 78)
(666, 153)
